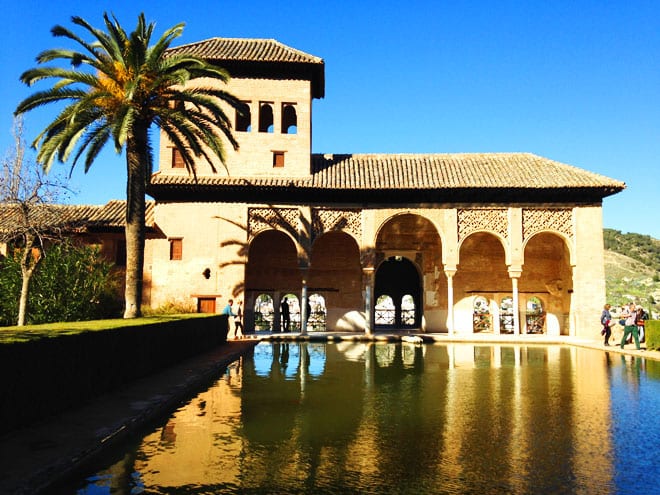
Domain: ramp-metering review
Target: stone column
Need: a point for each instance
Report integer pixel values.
(514, 273)
(303, 304)
(450, 272)
(368, 262)
(368, 288)
(277, 324)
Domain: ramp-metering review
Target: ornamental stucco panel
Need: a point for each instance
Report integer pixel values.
(259, 219)
(494, 220)
(345, 220)
(547, 219)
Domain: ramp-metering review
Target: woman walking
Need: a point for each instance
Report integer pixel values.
(605, 319)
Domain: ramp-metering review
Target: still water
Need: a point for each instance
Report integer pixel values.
(384, 418)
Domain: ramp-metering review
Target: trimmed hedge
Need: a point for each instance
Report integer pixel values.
(48, 374)
(652, 334)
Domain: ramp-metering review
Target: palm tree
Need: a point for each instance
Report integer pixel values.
(116, 88)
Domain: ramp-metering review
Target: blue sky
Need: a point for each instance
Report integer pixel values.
(574, 81)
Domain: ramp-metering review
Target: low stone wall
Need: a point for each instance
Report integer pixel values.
(46, 376)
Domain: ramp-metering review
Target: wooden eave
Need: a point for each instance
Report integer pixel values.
(311, 195)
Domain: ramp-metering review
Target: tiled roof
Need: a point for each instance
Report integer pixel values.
(453, 170)
(110, 215)
(477, 171)
(246, 50)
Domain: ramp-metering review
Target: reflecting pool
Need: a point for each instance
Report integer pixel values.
(398, 418)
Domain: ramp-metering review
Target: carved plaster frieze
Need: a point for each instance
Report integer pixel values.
(327, 220)
(547, 219)
(272, 218)
(483, 219)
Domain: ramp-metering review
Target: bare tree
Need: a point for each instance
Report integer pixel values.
(30, 216)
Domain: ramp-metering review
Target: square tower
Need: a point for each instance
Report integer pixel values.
(277, 84)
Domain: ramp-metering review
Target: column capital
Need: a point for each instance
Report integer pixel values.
(515, 271)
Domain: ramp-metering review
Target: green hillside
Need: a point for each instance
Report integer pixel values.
(632, 269)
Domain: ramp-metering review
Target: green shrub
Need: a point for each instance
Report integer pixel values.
(652, 334)
(71, 283)
(10, 288)
(170, 308)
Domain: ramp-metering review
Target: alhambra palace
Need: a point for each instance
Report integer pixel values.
(506, 243)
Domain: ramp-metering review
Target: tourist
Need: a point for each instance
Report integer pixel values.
(228, 311)
(238, 320)
(284, 311)
(630, 325)
(642, 316)
(605, 320)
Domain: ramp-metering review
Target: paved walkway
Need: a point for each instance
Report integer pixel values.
(34, 458)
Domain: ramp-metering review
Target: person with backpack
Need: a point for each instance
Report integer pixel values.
(605, 319)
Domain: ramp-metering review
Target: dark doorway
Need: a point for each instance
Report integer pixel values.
(398, 283)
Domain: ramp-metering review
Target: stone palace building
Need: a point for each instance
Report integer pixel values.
(458, 243)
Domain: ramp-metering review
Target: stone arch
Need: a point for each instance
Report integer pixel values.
(482, 271)
(417, 238)
(272, 264)
(266, 117)
(397, 277)
(568, 242)
(244, 118)
(289, 119)
(503, 242)
(547, 273)
(336, 274)
(264, 312)
(426, 222)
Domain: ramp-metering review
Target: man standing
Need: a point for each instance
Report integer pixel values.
(228, 311)
(284, 311)
(631, 325)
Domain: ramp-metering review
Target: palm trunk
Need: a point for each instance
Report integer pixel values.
(136, 163)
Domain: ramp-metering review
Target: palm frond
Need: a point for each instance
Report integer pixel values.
(48, 96)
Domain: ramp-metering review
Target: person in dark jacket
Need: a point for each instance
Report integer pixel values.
(605, 319)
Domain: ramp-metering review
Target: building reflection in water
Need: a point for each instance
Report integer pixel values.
(389, 418)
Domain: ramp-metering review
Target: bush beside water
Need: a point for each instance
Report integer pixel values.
(652, 334)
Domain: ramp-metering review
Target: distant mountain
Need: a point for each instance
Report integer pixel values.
(632, 269)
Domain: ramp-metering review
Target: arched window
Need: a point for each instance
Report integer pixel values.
(407, 310)
(481, 317)
(264, 313)
(289, 119)
(506, 315)
(535, 315)
(265, 118)
(317, 313)
(385, 310)
(244, 118)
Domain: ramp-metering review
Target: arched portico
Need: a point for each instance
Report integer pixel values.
(482, 276)
(272, 269)
(398, 278)
(335, 273)
(548, 275)
(412, 237)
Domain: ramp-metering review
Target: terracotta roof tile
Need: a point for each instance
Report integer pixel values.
(428, 177)
(110, 215)
(455, 170)
(246, 50)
